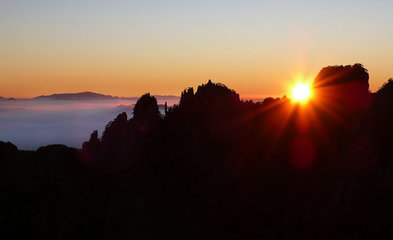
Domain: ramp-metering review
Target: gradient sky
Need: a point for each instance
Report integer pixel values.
(127, 48)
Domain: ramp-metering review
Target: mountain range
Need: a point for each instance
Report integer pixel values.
(89, 96)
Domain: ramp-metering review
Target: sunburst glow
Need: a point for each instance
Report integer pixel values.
(301, 92)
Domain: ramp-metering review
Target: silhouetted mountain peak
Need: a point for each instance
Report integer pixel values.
(339, 74)
(146, 108)
(387, 89)
(76, 96)
(211, 89)
(7, 147)
(383, 101)
(5, 99)
(344, 88)
(209, 93)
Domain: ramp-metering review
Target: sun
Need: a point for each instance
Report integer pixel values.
(301, 92)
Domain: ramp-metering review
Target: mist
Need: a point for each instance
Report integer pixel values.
(31, 123)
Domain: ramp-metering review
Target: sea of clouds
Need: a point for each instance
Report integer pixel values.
(30, 124)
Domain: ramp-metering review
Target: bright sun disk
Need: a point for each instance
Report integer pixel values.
(301, 92)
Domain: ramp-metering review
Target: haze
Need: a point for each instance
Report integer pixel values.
(30, 124)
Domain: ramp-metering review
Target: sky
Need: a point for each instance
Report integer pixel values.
(128, 48)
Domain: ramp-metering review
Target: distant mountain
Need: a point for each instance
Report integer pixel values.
(3, 98)
(76, 96)
(90, 96)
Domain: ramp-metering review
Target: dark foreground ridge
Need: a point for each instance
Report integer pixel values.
(216, 167)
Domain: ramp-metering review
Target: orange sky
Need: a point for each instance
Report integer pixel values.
(127, 49)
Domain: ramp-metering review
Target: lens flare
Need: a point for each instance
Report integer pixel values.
(301, 92)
